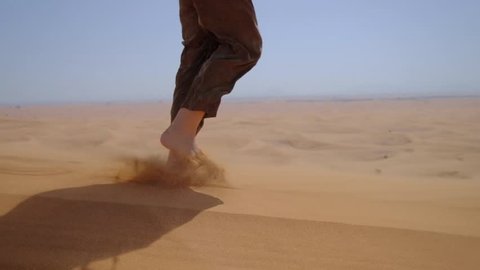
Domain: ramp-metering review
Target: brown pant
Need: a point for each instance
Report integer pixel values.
(221, 44)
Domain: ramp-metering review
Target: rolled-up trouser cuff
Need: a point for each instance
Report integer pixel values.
(208, 105)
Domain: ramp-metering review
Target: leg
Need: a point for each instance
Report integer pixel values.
(199, 45)
(222, 43)
(233, 25)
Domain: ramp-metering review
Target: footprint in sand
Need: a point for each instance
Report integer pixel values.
(453, 174)
(369, 155)
(299, 141)
(393, 140)
(304, 144)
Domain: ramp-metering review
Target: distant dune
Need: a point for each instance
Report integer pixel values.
(372, 184)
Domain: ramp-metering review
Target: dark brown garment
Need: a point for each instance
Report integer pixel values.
(221, 43)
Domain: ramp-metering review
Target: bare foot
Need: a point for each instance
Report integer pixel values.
(179, 137)
(179, 143)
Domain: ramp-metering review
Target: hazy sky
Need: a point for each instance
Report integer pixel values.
(109, 50)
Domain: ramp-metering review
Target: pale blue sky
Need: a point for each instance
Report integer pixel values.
(116, 50)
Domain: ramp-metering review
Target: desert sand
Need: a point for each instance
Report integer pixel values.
(368, 184)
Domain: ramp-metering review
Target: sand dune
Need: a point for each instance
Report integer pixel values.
(380, 184)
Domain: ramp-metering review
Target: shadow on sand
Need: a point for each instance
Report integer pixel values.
(69, 228)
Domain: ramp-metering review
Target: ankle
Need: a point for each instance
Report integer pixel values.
(187, 121)
(181, 130)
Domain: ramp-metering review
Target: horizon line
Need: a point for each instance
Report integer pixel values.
(292, 98)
